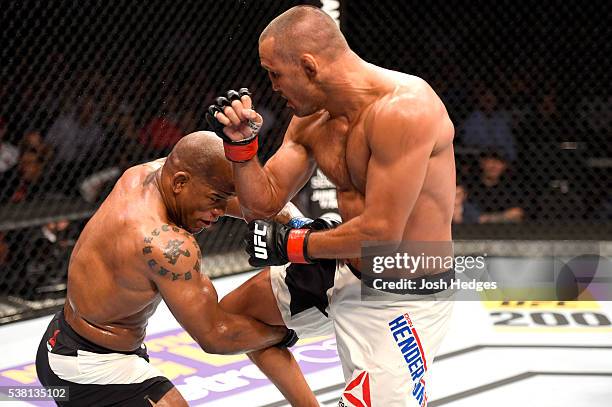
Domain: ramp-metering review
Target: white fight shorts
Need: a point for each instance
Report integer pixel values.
(386, 347)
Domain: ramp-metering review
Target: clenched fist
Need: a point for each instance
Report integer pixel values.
(233, 119)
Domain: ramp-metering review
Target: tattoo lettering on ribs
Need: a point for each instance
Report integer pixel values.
(171, 252)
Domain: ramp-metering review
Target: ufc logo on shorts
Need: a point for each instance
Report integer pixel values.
(259, 243)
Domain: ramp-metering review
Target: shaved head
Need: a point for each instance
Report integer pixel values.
(201, 155)
(305, 29)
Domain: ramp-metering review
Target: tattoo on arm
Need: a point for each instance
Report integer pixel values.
(172, 251)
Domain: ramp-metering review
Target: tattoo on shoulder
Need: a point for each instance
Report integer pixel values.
(172, 251)
(149, 178)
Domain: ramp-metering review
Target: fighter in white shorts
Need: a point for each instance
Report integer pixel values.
(384, 138)
(386, 347)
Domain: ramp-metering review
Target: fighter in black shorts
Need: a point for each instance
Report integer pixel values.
(136, 250)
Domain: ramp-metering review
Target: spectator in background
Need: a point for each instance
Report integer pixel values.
(465, 211)
(34, 141)
(29, 184)
(547, 144)
(44, 271)
(489, 126)
(495, 192)
(39, 259)
(37, 104)
(162, 132)
(543, 125)
(553, 161)
(127, 150)
(76, 135)
(9, 154)
(520, 95)
(40, 101)
(125, 137)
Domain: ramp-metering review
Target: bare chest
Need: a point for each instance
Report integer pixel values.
(342, 153)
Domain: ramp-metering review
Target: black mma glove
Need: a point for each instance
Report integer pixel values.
(236, 151)
(271, 243)
(289, 340)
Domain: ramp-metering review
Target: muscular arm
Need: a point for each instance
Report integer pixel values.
(171, 258)
(233, 209)
(288, 212)
(401, 141)
(263, 191)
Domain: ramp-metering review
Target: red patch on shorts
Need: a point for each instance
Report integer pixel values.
(53, 338)
(357, 392)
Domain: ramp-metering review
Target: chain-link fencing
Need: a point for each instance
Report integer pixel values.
(89, 88)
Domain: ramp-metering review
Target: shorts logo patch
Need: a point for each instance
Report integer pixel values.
(52, 340)
(357, 392)
(409, 344)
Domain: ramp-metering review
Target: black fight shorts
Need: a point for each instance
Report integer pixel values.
(96, 376)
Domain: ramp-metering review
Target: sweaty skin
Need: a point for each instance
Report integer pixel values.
(384, 138)
(131, 255)
(390, 157)
(392, 164)
(110, 292)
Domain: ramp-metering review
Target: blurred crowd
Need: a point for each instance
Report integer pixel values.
(522, 156)
(67, 143)
(58, 145)
(518, 157)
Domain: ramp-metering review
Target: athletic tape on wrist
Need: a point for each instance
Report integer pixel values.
(255, 127)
